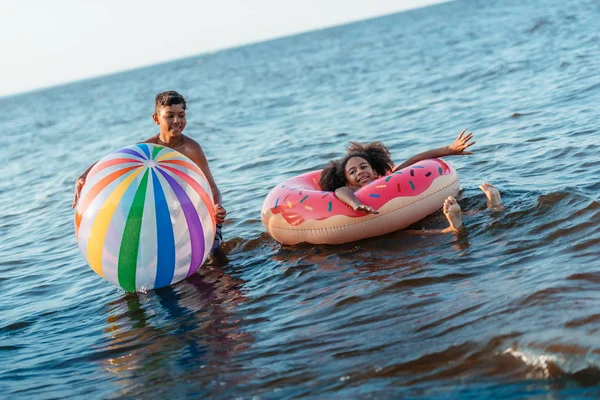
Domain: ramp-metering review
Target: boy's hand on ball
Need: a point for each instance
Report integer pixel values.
(78, 185)
(221, 213)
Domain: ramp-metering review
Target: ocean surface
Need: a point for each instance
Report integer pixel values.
(510, 309)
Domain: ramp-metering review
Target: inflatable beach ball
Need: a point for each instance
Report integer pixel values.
(145, 217)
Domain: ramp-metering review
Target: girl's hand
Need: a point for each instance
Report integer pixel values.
(461, 143)
(220, 213)
(366, 209)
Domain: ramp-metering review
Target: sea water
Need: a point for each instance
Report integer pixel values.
(509, 310)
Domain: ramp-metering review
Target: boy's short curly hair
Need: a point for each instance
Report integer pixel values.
(168, 98)
(376, 153)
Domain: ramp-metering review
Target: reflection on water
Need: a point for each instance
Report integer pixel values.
(507, 310)
(176, 334)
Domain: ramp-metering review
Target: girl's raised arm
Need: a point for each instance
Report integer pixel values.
(456, 148)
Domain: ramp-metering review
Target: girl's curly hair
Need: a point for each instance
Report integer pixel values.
(376, 154)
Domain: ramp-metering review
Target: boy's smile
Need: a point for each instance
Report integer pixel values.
(171, 119)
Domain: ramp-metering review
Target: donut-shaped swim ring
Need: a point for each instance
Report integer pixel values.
(297, 210)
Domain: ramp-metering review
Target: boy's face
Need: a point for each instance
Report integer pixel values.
(171, 119)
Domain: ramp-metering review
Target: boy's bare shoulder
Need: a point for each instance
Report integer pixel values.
(193, 145)
(153, 139)
(192, 142)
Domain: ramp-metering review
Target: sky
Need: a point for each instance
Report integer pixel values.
(48, 42)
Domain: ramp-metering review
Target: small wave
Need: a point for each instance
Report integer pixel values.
(538, 25)
(426, 281)
(546, 296)
(519, 115)
(576, 323)
(548, 365)
(15, 327)
(241, 245)
(592, 277)
(552, 199)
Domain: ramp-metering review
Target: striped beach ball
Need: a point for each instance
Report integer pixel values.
(145, 218)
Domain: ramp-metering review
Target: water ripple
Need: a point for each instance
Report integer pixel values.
(506, 309)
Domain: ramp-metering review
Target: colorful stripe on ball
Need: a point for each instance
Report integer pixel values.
(154, 188)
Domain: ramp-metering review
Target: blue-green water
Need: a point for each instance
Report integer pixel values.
(511, 310)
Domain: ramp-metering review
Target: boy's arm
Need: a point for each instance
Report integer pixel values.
(457, 147)
(200, 159)
(79, 184)
(346, 195)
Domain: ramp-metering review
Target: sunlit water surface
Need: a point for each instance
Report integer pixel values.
(509, 310)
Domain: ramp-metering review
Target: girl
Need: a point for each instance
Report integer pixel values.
(363, 163)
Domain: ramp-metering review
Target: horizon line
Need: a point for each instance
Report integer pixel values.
(44, 88)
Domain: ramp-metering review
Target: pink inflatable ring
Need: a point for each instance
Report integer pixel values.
(297, 210)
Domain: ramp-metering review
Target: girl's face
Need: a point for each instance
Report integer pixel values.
(359, 172)
(171, 119)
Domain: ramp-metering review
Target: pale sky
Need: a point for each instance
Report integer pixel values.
(48, 42)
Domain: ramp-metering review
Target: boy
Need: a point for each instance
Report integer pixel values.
(169, 115)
